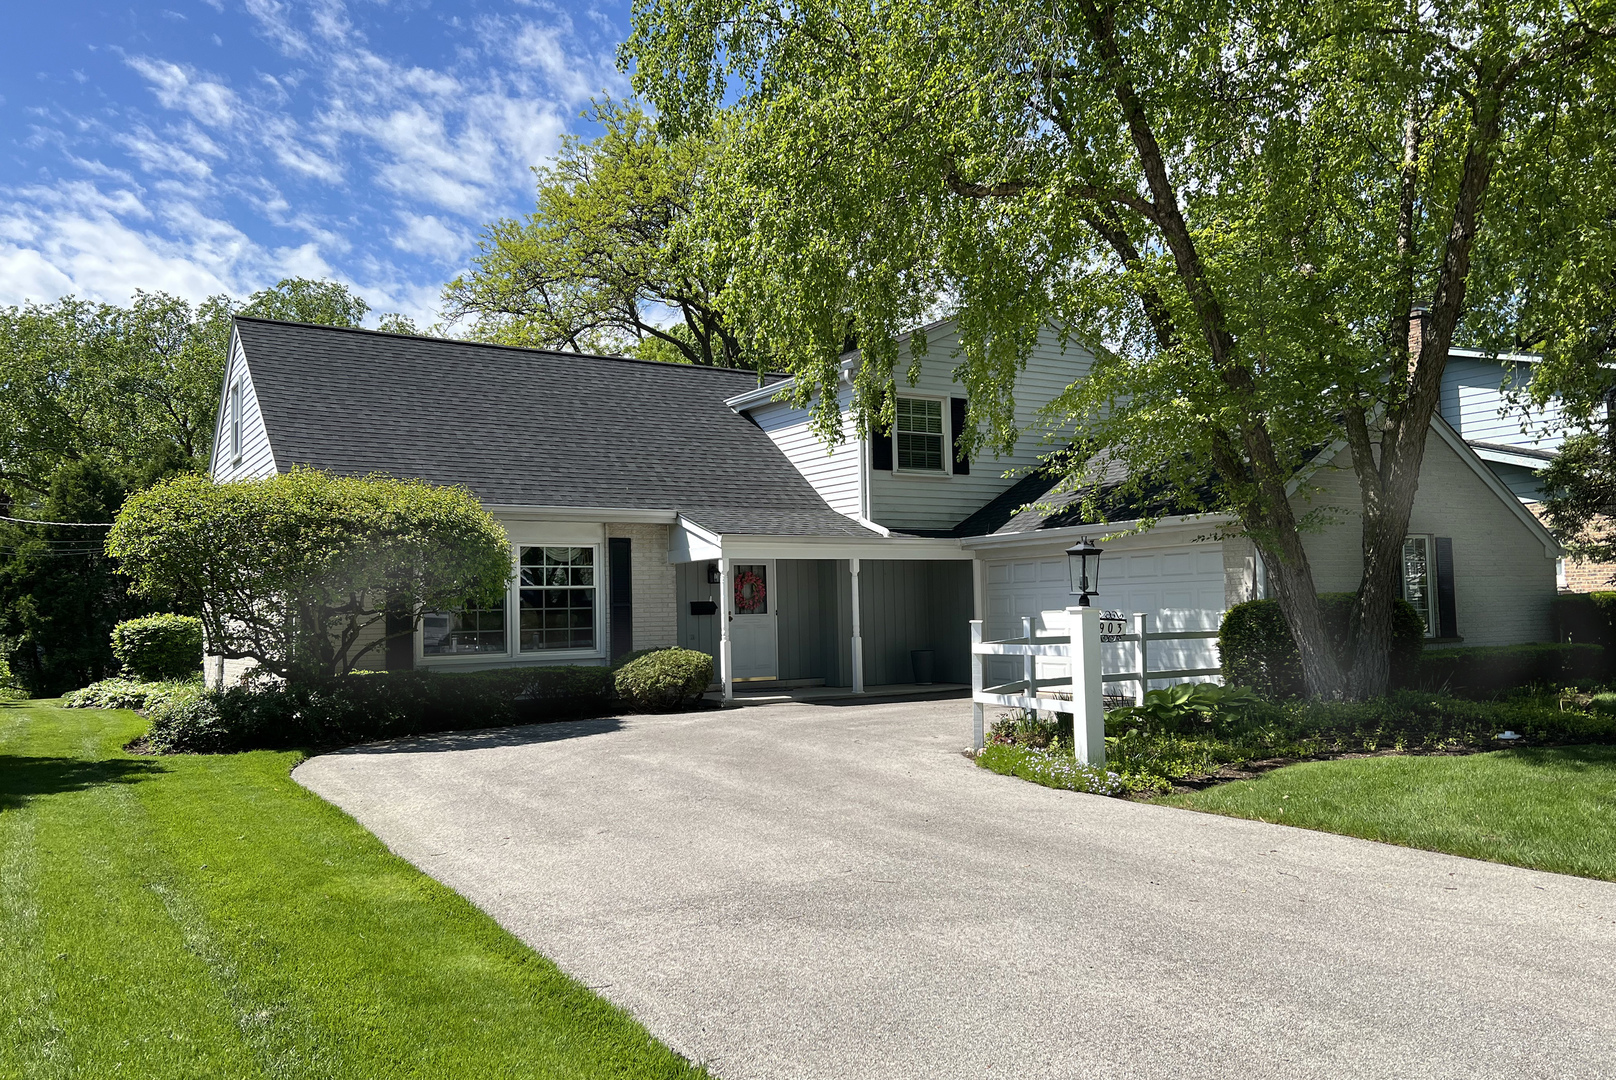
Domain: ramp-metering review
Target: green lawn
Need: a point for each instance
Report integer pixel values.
(207, 917)
(1549, 809)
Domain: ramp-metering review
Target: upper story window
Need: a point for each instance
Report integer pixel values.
(469, 631)
(235, 423)
(558, 598)
(919, 435)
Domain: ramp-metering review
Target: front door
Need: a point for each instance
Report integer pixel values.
(753, 629)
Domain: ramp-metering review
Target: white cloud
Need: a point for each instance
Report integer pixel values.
(176, 87)
(427, 234)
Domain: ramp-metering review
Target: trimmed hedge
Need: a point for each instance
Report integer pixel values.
(368, 706)
(1486, 670)
(159, 647)
(1257, 649)
(664, 679)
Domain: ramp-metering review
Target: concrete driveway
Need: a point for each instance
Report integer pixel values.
(824, 892)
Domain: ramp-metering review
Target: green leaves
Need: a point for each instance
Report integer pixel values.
(293, 569)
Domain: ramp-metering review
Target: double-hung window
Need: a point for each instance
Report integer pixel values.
(1419, 580)
(471, 631)
(919, 435)
(558, 598)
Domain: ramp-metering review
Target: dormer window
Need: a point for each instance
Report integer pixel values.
(919, 435)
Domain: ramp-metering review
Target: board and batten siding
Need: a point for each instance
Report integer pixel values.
(1504, 581)
(257, 458)
(905, 605)
(914, 501)
(1476, 401)
(834, 472)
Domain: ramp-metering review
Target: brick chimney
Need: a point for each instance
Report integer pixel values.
(1418, 316)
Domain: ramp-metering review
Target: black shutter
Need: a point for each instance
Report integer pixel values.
(957, 408)
(621, 619)
(1447, 624)
(881, 448)
(400, 647)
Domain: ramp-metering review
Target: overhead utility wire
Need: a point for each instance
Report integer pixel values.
(35, 521)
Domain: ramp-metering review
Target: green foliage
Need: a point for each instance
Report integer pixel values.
(60, 595)
(10, 689)
(1587, 619)
(1182, 705)
(1053, 767)
(158, 647)
(366, 706)
(1258, 651)
(327, 303)
(664, 679)
(338, 554)
(1193, 746)
(122, 693)
(600, 261)
(1023, 728)
(1489, 670)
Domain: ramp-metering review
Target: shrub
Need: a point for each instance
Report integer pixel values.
(665, 679)
(1175, 707)
(159, 647)
(189, 723)
(1488, 670)
(1258, 651)
(10, 689)
(365, 706)
(126, 693)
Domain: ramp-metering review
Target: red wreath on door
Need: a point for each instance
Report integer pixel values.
(749, 591)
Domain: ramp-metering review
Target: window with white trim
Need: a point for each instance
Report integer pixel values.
(1419, 580)
(471, 631)
(235, 423)
(559, 598)
(918, 431)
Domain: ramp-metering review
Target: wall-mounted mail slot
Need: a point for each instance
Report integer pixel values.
(703, 607)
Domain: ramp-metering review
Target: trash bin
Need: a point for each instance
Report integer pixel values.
(925, 665)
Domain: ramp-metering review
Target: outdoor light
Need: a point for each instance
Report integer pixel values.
(713, 576)
(1083, 559)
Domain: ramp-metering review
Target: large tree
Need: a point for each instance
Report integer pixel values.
(601, 265)
(1243, 201)
(296, 571)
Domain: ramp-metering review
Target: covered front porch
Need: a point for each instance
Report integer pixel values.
(827, 616)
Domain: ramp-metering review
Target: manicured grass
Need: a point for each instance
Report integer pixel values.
(1549, 809)
(206, 917)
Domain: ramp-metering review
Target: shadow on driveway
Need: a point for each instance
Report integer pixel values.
(486, 738)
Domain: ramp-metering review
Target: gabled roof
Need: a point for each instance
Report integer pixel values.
(527, 427)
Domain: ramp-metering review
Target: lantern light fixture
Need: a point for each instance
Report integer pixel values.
(1083, 561)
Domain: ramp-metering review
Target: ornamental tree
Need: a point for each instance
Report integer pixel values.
(1236, 204)
(292, 571)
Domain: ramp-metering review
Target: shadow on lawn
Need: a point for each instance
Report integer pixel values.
(23, 778)
(1568, 758)
(485, 738)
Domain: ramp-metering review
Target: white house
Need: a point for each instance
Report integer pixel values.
(651, 504)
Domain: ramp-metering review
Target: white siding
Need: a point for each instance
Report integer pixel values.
(1476, 401)
(903, 501)
(257, 459)
(834, 472)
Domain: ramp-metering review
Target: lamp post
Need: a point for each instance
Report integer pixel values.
(1083, 561)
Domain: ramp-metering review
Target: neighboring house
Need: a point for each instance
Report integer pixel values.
(653, 504)
(1481, 399)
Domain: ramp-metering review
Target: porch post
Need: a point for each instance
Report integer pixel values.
(1088, 707)
(978, 721)
(858, 640)
(726, 661)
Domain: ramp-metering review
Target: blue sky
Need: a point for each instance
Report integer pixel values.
(206, 146)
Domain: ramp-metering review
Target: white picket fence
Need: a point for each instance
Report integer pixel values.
(1062, 671)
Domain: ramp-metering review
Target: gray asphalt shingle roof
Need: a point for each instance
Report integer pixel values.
(528, 427)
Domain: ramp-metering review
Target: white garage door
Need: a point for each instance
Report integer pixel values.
(1179, 588)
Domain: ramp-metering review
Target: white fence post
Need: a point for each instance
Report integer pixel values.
(1088, 706)
(1029, 662)
(1140, 626)
(979, 735)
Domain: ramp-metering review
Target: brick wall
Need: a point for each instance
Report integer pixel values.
(653, 582)
(1503, 579)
